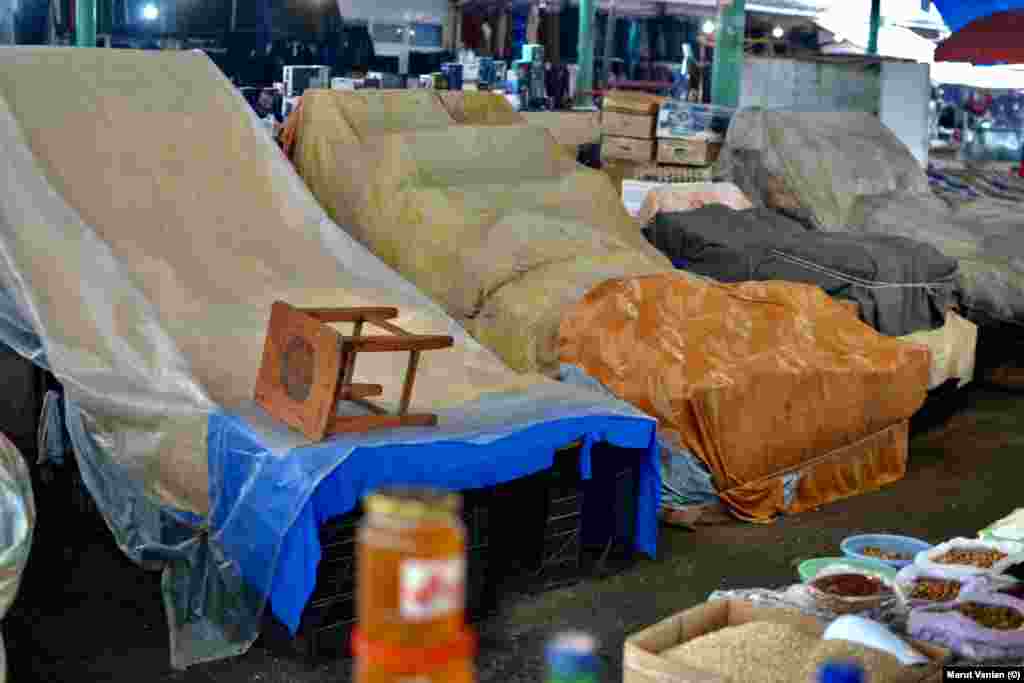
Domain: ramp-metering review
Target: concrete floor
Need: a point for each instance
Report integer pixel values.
(107, 623)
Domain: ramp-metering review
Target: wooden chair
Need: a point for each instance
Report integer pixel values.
(308, 367)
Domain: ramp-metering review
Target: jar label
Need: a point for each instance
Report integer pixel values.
(431, 588)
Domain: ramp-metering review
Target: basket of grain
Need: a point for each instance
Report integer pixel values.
(848, 590)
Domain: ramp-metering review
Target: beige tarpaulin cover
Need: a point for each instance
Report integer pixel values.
(17, 524)
(845, 171)
(760, 380)
(147, 224)
(496, 223)
(473, 108)
(510, 236)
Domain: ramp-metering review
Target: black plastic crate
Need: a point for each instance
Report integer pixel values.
(566, 529)
(541, 532)
(609, 530)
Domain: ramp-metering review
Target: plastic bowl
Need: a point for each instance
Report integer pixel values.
(910, 547)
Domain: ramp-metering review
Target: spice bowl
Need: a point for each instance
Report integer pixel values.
(849, 590)
(892, 551)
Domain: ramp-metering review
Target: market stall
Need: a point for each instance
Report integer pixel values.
(539, 260)
(900, 609)
(141, 268)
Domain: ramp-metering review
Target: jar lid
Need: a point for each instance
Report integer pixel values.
(412, 503)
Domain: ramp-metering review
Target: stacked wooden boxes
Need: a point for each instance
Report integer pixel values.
(627, 125)
(691, 134)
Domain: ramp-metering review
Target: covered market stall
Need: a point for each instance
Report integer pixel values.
(536, 256)
(141, 269)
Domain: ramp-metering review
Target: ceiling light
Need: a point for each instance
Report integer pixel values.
(150, 12)
(778, 32)
(709, 27)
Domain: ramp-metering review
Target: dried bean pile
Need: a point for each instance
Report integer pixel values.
(935, 590)
(983, 559)
(878, 553)
(992, 616)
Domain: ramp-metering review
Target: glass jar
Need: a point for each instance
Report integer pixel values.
(411, 590)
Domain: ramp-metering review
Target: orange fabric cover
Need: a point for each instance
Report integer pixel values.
(757, 379)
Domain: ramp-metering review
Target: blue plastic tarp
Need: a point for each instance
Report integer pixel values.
(297, 494)
(959, 13)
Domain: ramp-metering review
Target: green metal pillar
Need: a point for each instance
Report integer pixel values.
(585, 54)
(633, 48)
(876, 21)
(727, 70)
(85, 23)
(609, 45)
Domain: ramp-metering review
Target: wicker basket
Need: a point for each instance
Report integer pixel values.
(842, 605)
(838, 604)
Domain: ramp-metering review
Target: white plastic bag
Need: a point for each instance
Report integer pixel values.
(941, 624)
(908, 576)
(926, 559)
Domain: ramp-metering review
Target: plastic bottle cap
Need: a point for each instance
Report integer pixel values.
(572, 654)
(837, 672)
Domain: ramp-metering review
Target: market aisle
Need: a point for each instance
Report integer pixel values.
(961, 478)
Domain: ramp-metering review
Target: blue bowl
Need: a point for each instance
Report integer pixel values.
(854, 546)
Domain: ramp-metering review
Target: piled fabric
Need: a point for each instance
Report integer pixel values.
(846, 172)
(739, 249)
(959, 185)
(900, 285)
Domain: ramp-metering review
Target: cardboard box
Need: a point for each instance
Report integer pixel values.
(695, 151)
(632, 102)
(628, 149)
(684, 119)
(642, 662)
(627, 125)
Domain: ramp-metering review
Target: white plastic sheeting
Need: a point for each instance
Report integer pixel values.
(17, 522)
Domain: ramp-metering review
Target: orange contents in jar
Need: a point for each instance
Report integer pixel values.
(411, 582)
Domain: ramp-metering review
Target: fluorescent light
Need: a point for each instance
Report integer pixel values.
(709, 27)
(778, 32)
(150, 12)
